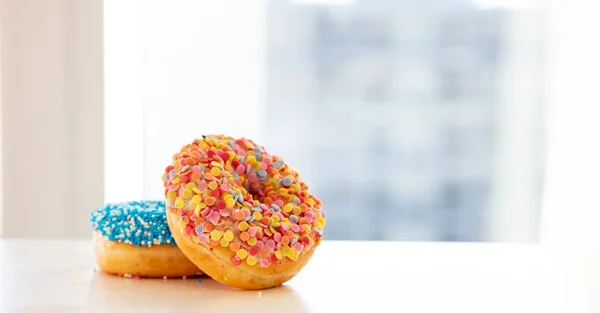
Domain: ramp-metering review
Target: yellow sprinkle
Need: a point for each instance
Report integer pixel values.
(318, 241)
(322, 221)
(228, 235)
(216, 235)
(297, 210)
(278, 254)
(190, 185)
(212, 185)
(197, 211)
(243, 226)
(274, 219)
(179, 203)
(229, 202)
(272, 229)
(242, 253)
(201, 205)
(171, 195)
(311, 201)
(215, 171)
(288, 224)
(175, 180)
(251, 159)
(251, 260)
(257, 215)
(224, 243)
(306, 227)
(181, 224)
(196, 190)
(196, 199)
(288, 207)
(252, 241)
(215, 163)
(194, 239)
(286, 250)
(186, 194)
(295, 188)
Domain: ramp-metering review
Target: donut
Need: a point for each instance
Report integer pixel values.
(243, 216)
(132, 239)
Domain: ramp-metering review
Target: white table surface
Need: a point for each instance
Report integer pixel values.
(60, 276)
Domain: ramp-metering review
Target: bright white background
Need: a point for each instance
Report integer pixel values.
(74, 158)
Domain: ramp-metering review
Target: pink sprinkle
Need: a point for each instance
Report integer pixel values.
(182, 162)
(252, 177)
(202, 238)
(268, 161)
(265, 263)
(263, 207)
(259, 244)
(240, 169)
(252, 231)
(205, 212)
(261, 192)
(224, 212)
(308, 219)
(295, 228)
(298, 247)
(195, 168)
(308, 214)
(278, 202)
(214, 217)
(264, 165)
(174, 187)
(246, 212)
(270, 244)
(279, 215)
(187, 230)
(225, 187)
(235, 260)
(277, 237)
(202, 185)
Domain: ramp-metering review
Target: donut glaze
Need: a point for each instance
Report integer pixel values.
(243, 216)
(133, 239)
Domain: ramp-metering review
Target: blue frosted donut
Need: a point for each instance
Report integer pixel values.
(140, 223)
(132, 239)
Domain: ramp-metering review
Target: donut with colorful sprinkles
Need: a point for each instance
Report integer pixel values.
(133, 239)
(243, 216)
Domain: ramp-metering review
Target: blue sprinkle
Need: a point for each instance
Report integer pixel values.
(261, 173)
(252, 218)
(296, 201)
(199, 229)
(185, 168)
(242, 160)
(259, 157)
(236, 175)
(140, 223)
(248, 218)
(255, 209)
(232, 143)
(172, 173)
(256, 150)
(248, 169)
(287, 181)
(293, 218)
(275, 207)
(278, 164)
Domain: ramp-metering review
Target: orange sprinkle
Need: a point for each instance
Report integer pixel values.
(209, 176)
(265, 221)
(289, 233)
(208, 227)
(263, 253)
(245, 236)
(254, 185)
(196, 176)
(190, 161)
(214, 242)
(234, 246)
(239, 215)
(210, 201)
(268, 232)
(285, 240)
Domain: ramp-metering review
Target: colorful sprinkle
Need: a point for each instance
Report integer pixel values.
(238, 196)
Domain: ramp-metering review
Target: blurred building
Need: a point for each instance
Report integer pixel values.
(392, 110)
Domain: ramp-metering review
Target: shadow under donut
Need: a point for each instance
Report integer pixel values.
(110, 292)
